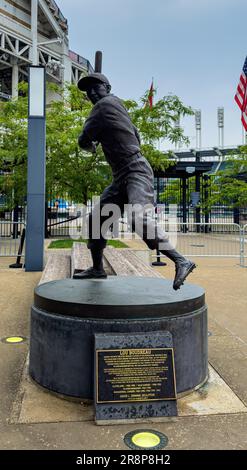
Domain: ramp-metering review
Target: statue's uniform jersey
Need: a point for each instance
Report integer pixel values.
(109, 123)
(133, 180)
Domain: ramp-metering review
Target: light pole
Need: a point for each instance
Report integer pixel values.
(34, 256)
(220, 112)
(198, 123)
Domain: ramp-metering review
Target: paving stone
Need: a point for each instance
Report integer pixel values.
(223, 432)
(228, 355)
(216, 329)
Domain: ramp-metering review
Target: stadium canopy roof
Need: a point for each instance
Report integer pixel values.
(214, 153)
(188, 163)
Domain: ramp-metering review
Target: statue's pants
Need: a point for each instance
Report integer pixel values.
(134, 186)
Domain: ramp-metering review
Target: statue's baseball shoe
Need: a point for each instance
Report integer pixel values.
(183, 269)
(91, 273)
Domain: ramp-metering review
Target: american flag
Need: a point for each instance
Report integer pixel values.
(241, 95)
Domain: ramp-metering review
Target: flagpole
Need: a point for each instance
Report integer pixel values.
(244, 136)
(159, 141)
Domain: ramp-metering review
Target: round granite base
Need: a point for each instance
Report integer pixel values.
(66, 314)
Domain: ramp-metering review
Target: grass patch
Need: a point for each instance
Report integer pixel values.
(68, 243)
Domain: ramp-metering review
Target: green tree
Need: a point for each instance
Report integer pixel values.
(13, 148)
(229, 186)
(157, 123)
(69, 169)
(171, 194)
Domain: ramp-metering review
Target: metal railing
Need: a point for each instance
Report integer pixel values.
(81, 61)
(207, 239)
(57, 12)
(225, 240)
(191, 239)
(204, 239)
(10, 235)
(244, 247)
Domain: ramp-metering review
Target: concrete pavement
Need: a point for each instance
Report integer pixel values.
(225, 284)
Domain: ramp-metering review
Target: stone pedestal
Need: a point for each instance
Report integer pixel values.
(68, 313)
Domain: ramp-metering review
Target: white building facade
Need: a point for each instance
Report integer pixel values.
(35, 32)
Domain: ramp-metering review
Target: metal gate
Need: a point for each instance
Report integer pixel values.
(10, 237)
(244, 247)
(192, 205)
(206, 240)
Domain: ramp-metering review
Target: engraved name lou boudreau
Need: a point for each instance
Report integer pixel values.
(124, 459)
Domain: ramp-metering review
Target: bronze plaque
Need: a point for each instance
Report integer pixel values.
(135, 375)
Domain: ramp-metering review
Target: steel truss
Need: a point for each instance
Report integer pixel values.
(17, 51)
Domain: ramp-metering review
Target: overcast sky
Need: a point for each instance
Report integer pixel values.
(193, 48)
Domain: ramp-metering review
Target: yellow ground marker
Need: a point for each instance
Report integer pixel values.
(14, 339)
(146, 439)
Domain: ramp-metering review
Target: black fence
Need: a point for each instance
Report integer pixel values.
(62, 213)
(61, 218)
(192, 204)
(13, 218)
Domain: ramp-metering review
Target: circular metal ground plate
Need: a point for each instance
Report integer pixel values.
(145, 439)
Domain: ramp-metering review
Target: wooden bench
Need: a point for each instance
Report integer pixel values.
(124, 262)
(117, 261)
(57, 267)
(80, 258)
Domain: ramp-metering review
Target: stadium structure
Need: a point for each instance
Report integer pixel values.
(35, 32)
